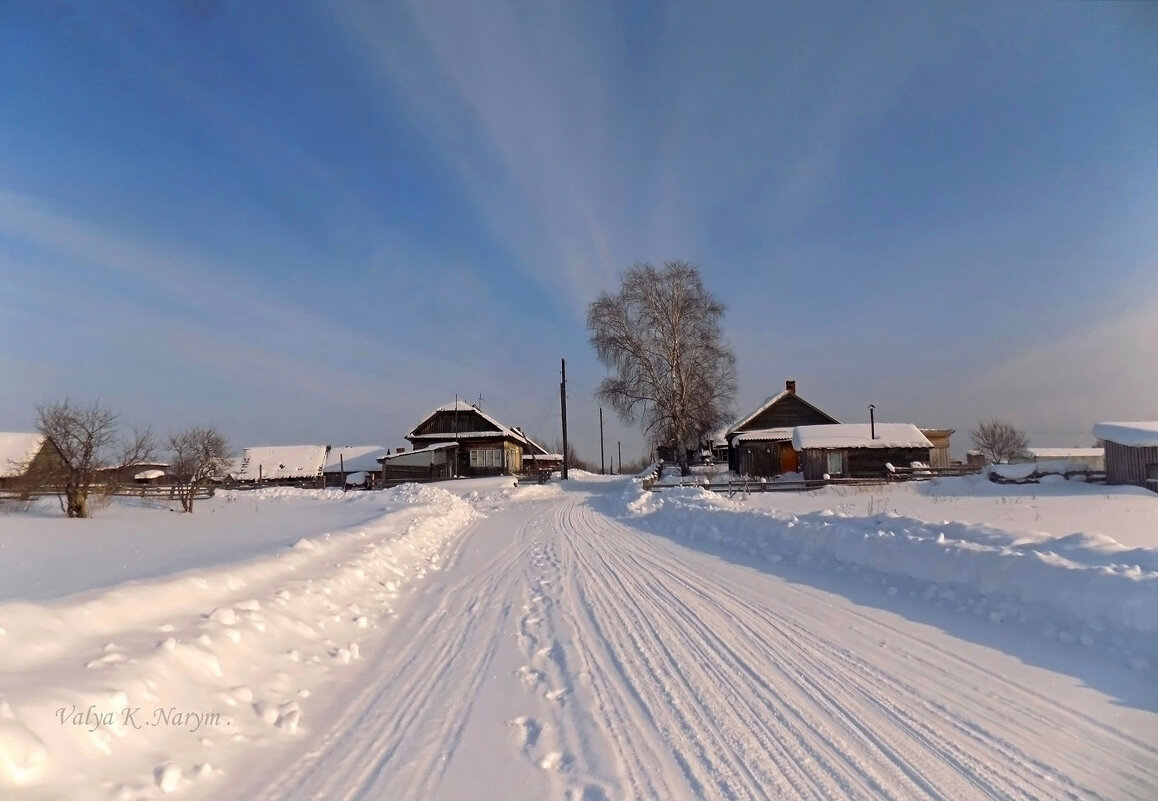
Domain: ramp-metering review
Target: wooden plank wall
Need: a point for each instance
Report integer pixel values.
(1127, 465)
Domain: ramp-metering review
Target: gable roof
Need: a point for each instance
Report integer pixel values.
(768, 404)
(1136, 435)
(859, 435)
(282, 461)
(532, 446)
(499, 429)
(17, 450)
(352, 458)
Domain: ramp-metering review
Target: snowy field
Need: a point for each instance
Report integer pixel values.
(950, 639)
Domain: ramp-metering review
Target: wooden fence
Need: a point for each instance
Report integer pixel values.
(165, 491)
(745, 486)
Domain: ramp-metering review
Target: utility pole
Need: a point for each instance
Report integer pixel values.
(563, 406)
(872, 422)
(602, 472)
(620, 444)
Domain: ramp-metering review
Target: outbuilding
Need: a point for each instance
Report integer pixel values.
(433, 463)
(858, 450)
(283, 464)
(1131, 453)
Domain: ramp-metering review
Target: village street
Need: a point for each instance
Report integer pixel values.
(564, 653)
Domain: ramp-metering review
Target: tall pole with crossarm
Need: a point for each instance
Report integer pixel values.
(563, 406)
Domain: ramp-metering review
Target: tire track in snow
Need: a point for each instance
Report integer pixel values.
(396, 739)
(745, 695)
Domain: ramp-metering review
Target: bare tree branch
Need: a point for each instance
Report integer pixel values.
(85, 437)
(199, 455)
(998, 440)
(660, 337)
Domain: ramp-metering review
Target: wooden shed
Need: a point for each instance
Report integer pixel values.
(1131, 453)
(760, 444)
(433, 463)
(858, 450)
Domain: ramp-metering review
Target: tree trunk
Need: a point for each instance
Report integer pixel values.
(77, 502)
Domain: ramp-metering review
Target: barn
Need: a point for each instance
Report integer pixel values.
(1131, 453)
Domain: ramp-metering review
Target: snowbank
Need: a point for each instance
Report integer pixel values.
(185, 673)
(1082, 588)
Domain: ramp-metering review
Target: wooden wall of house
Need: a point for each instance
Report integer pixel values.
(814, 464)
(859, 462)
(414, 472)
(759, 459)
(1129, 465)
(787, 412)
(870, 462)
(513, 462)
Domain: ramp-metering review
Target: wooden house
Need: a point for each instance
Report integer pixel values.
(761, 443)
(1131, 453)
(486, 447)
(858, 450)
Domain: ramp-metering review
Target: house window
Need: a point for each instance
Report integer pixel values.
(489, 457)
(834, 463)
(1152, 472)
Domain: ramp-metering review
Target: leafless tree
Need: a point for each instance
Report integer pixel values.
(199, 455)
(671, 370)
(87, 441)
(998, 440)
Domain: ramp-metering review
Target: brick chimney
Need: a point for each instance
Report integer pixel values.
(790, 386)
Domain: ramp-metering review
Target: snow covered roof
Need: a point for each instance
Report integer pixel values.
(859, 435)
(437, 447)
(282, 461)
(1136, 435)
(1064, 453)
(542, 457)
(354, 457)
(17, 450)
(534, 446)
(768, 403)
(763, 435)
(759, 411)
(462, 406)
(147, 475)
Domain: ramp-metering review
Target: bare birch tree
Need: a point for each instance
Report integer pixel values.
(671, 370)
(87, 440)
(998, 440)
(199, 455)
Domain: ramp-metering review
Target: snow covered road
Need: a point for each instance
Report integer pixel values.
(565, 653)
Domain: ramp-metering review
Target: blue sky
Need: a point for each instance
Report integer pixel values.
(315, 222)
